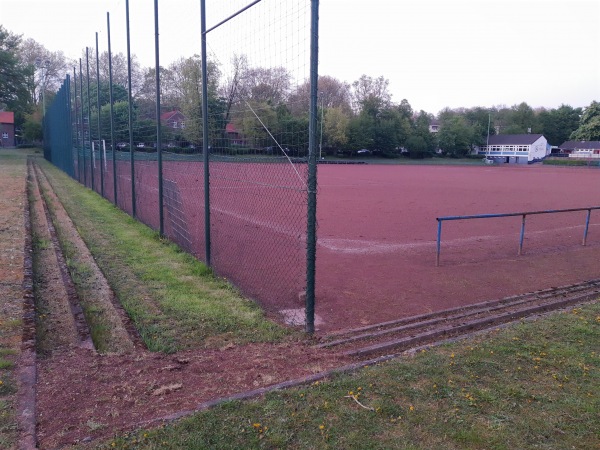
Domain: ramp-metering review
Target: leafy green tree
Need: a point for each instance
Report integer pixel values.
(371, 92)
(455, 135)
(119, 92)
(335, 127)
(518, 119)
(589, 125)
(480, 121)
(15, 76)
(120, 122)
(32, 128)
(558, 124)
(421, 142)
(416, 146)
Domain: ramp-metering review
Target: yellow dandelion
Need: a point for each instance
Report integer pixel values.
(321, 427)
(411, 408)
(256, 425)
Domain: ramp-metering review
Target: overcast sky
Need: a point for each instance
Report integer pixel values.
(435, 53)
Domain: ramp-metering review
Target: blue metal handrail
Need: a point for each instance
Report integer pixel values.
(522, 214)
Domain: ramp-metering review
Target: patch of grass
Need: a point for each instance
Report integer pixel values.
(5, 364)
(529, 386)
(578, 162)
(173, 299)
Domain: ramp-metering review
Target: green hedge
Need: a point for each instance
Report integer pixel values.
(571, 162)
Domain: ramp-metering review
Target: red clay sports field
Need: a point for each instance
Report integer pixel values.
(377, 232)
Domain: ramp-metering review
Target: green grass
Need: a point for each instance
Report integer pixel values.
(571, 162)
(403, 161)
(529, 386)
(173, 298)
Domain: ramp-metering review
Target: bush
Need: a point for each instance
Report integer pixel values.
(571, 162)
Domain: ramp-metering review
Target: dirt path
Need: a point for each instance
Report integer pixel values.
(56, 327)
(110, 326)
(13, 286)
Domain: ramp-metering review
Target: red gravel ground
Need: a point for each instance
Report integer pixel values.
(377, 233)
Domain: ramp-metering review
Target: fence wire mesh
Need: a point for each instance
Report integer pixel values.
(152, 164)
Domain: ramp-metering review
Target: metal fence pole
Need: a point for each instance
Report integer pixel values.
(130, 113)
(69, 130)
(205, 155)
(438, 245)
(89, 114)
(587, 226)
(81, 117)
(311, 234)
(522, 235)
(76, 125)
(158, 130)
(99, 124)
(112, 120)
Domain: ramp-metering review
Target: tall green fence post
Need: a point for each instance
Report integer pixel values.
(311, 234)
(112, 113)
(76, 125)
(158, 125)
(130, 113)
(99, 124)
(81, 117)
(89, 115)
(205, 155)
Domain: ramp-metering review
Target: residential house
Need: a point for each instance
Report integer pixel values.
(234, 137)
(515, 148)
(434, 126)
(581, 149)
(173, 119)
(7, 129)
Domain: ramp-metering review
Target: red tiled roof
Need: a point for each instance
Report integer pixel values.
(168, 115)
(7, 117)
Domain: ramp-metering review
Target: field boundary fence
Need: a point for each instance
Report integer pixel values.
(523, 216)
(217, 152)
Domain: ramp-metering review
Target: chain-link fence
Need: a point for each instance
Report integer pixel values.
(217, 150)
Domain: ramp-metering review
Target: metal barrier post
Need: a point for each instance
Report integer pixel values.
(439, 238)
(587, 226)
(522, 235)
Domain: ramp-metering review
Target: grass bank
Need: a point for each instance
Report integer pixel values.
(571, 162)
(174, 300)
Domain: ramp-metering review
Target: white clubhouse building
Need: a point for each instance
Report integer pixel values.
(515, 148)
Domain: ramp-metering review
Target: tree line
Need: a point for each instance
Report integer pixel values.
(267, 108)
